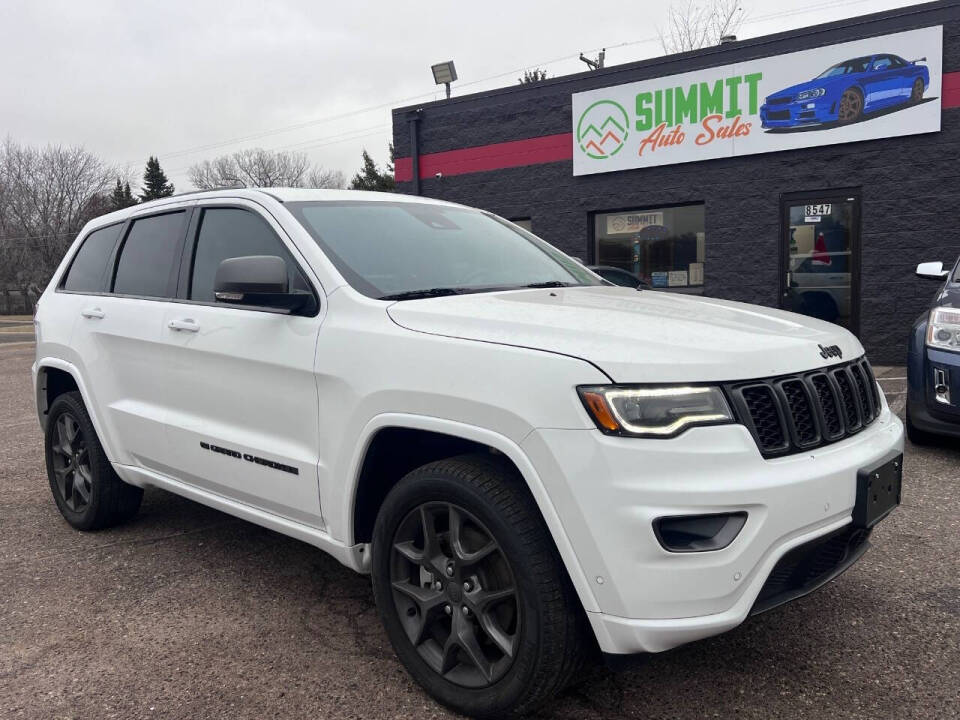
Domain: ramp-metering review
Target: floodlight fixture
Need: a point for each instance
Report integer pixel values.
(443, 74)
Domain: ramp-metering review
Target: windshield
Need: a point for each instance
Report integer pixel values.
(389, 249)
(845, 68)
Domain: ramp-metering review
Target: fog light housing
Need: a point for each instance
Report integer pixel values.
(698, 533)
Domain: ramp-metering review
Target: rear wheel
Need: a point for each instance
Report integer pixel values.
(851, 107)
(916, 94)
(471, 590)
(85, 487)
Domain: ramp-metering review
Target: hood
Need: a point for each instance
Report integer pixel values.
(637, 336)
(810, 85)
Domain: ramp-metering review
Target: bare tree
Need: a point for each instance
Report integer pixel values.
(261, 168)
(694, 24)
(532, 76)
(326, 178)
(46, 196)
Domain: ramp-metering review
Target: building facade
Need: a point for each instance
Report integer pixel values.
(800, 170)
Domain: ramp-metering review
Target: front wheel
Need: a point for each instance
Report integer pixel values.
(471, 590)
(851, 107)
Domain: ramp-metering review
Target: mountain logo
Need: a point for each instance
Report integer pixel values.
(602, 129)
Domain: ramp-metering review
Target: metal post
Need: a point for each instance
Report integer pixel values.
(414, 119)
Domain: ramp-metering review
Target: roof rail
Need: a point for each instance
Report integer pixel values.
(218, 189)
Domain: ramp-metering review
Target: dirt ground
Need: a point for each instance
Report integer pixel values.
(189, 613)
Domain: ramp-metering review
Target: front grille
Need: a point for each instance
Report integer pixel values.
(782, 100)
(778, 115)
(793, 413)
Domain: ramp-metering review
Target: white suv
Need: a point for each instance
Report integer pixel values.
(530, 462)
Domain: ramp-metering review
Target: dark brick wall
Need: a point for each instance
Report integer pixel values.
(909, 185)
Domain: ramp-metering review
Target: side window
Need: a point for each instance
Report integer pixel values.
(882, 63)
(228, 233)
(149, 255)
(89, 266)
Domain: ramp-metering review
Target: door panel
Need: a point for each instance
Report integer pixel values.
(242, 409)
(117, 340)
(242, 406)
(820, 251)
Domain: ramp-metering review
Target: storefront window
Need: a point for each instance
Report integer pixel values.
(662, 246)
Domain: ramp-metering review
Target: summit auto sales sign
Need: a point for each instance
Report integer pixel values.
(879, 87)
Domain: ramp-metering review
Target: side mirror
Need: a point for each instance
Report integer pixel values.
(258, 280)
(932, 271)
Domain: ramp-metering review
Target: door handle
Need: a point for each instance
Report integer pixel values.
(185, 325)
(93, 313)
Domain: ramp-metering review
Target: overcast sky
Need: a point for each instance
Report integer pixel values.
(190, 79)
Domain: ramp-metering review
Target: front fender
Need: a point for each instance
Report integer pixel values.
(486, 437)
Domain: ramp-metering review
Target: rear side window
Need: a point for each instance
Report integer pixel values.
(87, 271)
(231, 232)
(149, 255)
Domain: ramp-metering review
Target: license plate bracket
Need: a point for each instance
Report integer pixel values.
(878, 491)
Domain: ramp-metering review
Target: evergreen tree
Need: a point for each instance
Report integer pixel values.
(155, 183)
(371, 178)
(121, 196)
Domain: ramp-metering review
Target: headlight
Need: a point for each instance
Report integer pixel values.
(943, 329)
(654, 411)
(810, 94)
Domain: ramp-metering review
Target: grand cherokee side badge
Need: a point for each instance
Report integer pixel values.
(249, 458)
(830, 351)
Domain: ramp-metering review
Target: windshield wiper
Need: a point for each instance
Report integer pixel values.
(549, 284)
(427, 293)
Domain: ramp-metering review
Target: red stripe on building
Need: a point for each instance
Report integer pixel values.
(549, 148)
(950, 92)
(546, 149)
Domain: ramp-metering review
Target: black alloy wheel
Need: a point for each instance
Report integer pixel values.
(472, 591)
(455, 593)
(88, 492)
(71, 463)
(851, 107)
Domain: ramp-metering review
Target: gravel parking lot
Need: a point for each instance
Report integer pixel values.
(189, 613)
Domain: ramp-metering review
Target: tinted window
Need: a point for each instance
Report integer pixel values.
(384, 249)
(89, 266)
(228, 233)
(149, 255)
(663, 247)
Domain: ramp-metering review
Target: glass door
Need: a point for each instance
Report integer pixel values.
(820, 256)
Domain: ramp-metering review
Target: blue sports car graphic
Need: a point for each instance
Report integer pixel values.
(847, 92)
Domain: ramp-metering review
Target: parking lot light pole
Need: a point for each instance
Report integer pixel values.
(443, 74)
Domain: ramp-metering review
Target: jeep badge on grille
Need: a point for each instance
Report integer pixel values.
(830, 351)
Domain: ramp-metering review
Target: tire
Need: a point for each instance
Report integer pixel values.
(918, 436)
(851, 106)
(87, 491)
(542, 622)
(916, 93)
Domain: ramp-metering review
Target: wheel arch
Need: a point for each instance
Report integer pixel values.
(362, 499)
(55, 377)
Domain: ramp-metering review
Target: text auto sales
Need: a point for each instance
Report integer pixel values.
(709, 105)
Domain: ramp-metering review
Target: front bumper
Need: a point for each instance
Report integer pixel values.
(609, 490)
(927, 412)
(797, 114)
